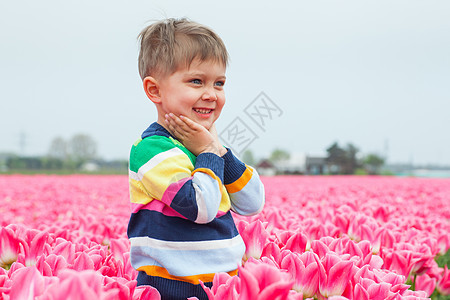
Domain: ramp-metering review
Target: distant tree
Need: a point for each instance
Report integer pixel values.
(279, 154)
(336, 158)
(342, 161)
(248, 158)
(373, 163)
(58, 149)
(82, 148)
(351, 162)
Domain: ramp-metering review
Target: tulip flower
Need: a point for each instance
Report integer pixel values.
(9, 247)
(425, 283)
(260, 281)
(334, 275)
(255, 238)
(443, 284)
(297, 243)
(27, 283)
(34, 246)
(369, 289)
(224, 287)
(398, 261)
(273, 252)
(304, 270)
(146, 292)
(443, 242)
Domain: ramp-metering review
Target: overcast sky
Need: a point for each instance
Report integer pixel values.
(372, 73)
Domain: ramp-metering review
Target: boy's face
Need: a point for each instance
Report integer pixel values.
(196, 92)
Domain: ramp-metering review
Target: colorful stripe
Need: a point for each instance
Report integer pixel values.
(156, 225)
(156, 206)
(241, 181)
(194, 279)
(239, 199)
(188, 258)
(144, 241)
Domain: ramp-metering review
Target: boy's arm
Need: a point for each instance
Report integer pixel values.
(242, 182)
(243, 185)
(168, 177)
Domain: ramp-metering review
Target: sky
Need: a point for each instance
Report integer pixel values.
(302, 74)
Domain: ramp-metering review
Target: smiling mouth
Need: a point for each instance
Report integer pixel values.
(202, 111)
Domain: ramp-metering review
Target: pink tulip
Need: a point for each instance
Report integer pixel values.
(86, 284)
(27, 283)
(371, 289)
(224, 287)
(83, 262)
(342, 222)
(294, 295)
(443, 284)
(255, 238)
(9, 247)
(146, 292)
(260, 281)
(65, 249)
(127, 270)
(398, 261)
(298, 243)
(5, 284)
(273, 252)
(337, 298)
(425, 283)
(334, 275)
(282, 236)
(443, 242)
(304, 271)
(124, 287)
(34, 246)
(119, 247)
(320, 248)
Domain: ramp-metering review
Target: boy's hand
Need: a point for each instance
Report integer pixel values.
(193, 136)
(213, 132)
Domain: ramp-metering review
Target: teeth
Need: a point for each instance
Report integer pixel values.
(203, 111)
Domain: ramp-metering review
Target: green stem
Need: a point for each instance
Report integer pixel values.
(413, 286)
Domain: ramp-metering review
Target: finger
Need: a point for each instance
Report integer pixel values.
(172, 121)
(171, 127)
(178, 121)
(190, 123)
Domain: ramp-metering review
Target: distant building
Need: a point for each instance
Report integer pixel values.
(266, 168)
(295, 164)
(3, 162)
(301, 163)
(315, 165)
(90, 166)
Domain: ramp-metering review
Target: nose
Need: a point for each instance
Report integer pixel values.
(209, 94)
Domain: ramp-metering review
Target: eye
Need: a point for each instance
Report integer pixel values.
(196, 81)
(219, 83)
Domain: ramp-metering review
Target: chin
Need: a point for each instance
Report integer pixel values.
(207, 126)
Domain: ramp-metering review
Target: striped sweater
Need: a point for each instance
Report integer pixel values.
(181, 227)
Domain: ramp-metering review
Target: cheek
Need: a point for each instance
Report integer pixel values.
(218, 110)
(220, 102)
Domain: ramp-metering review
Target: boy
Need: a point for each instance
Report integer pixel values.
(183, 183)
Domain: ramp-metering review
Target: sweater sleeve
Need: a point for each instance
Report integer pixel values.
(163, 172)
(243, 185)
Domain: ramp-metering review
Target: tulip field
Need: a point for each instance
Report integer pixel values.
(319, 237)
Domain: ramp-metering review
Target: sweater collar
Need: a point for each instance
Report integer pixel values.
(155, 129)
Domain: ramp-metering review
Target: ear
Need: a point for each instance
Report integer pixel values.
(151, 88)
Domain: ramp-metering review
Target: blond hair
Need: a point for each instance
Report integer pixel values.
(170, 44)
